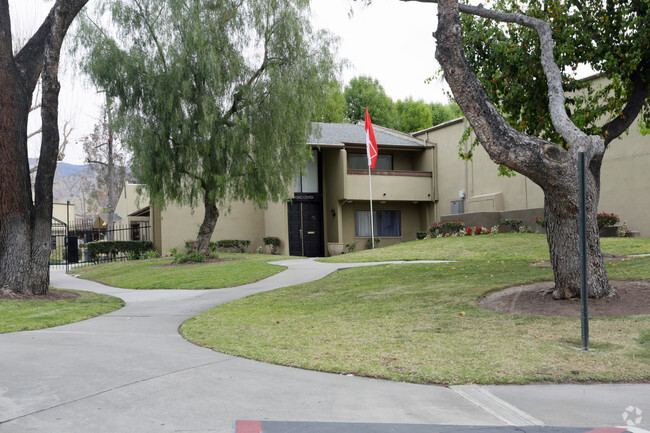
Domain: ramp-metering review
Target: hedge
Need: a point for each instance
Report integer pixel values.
(114, 247)
(239, 245)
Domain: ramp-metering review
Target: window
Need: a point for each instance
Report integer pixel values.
(135, 232)
(385, 222)
(359, 161)
(308, 181)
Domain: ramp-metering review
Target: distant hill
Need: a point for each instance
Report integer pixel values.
(67, 181)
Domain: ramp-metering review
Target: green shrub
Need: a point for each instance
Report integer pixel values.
(540, 222)
(135, 248)
(351, 247)
(192, 256)
(369, 243)
(513, 223)
(420, 235)
(235, 245)
(443, 227)
(151, 254)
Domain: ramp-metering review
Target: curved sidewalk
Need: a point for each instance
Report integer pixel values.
(130, 371)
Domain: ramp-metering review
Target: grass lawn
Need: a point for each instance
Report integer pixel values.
(504, 246)
(151, 274)
(404, 322)
(28, 314)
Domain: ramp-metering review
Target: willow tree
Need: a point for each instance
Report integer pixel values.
(524, 120)
(25, 220)
(215, 98)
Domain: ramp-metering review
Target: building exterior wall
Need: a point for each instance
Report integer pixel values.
(624, 179)
(275, 224)
(61, 211)
(335, 167)
(131, 200)
(177, 224)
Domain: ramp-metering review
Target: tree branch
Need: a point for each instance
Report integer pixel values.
(6, 49)
(638, 96)
(38, 131)
(238, 94)
(557, 101)
(152, 33)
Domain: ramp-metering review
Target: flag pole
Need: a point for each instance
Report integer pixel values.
(372, 230)
(372, 152)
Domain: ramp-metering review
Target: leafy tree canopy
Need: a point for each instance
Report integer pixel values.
(441, 113)
(216, 98)
(334, 109)
(364, 91)
(612, 37)
(412, 115)
(406, 115)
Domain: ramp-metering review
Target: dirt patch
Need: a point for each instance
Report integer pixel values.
(206, 262)
(631, 298)
(52, 295)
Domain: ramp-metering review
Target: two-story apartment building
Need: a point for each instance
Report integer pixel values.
(329, 202)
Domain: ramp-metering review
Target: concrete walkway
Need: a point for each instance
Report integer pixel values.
(130, 371)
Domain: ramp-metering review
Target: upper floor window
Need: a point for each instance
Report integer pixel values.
(308, 180)
(359, 161)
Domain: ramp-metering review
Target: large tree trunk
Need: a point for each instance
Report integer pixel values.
(210, 218)
(25, 222)
(561, 213)
(16, 207)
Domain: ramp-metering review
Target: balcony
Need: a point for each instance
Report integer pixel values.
(394, 185)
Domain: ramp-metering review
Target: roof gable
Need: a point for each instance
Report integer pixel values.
(340, 134)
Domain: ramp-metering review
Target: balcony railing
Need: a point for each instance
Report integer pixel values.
(398, 185)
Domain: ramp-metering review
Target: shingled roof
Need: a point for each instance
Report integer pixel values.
(340, 134)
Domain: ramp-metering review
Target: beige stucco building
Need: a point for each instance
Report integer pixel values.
(328, 204)
(476, 187)
(419, 179)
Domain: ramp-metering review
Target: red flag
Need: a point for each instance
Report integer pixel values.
(371, 143)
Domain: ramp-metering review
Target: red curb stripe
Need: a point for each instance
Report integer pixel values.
(607, 430)
(250, 427)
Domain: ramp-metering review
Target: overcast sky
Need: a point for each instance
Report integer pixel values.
(389, 40)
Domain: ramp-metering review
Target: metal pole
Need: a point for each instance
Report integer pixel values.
(67, 236)
(372, 229)
(584, 288)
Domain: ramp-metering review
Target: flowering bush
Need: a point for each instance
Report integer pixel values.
(478, 230)
(273, 242)
(496, 229)
(540, 222)
(607, 219)
(623, 231)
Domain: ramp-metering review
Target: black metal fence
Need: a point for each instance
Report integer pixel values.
(67, 244)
